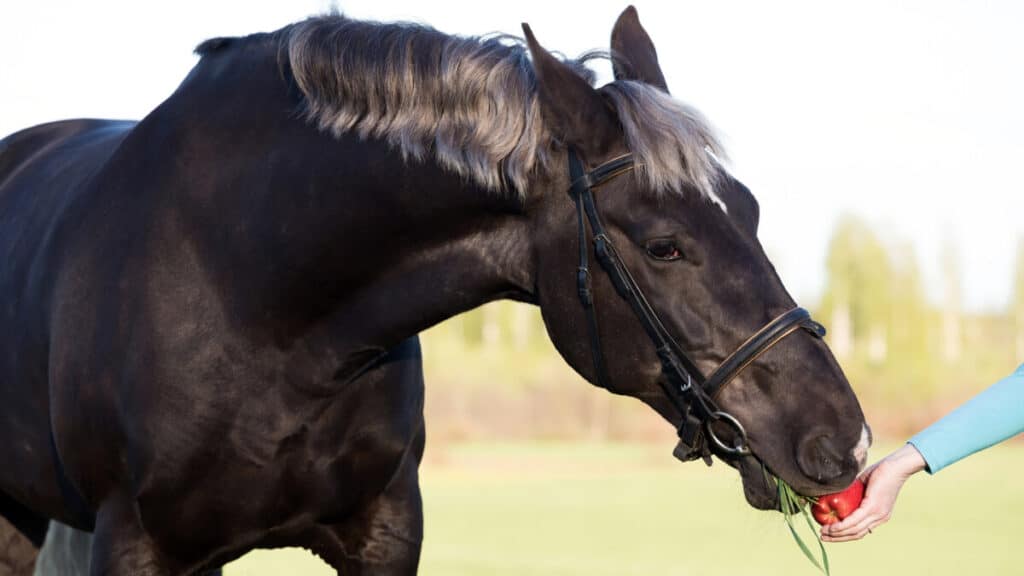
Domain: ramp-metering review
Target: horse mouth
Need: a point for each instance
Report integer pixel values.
(761, 482)
(760, 487)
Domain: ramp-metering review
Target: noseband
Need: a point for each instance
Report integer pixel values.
(684, 384)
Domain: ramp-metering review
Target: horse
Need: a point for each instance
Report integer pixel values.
(197, 303)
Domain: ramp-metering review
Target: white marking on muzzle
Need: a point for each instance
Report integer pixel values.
(860, 451)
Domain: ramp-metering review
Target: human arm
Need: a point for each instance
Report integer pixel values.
(992, 416)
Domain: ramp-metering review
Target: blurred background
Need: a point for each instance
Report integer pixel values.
(884, 141)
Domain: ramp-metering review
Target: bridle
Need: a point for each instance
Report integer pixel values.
(684, 384)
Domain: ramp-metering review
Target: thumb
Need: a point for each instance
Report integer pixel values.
(865, 476)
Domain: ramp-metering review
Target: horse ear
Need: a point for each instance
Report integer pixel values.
(633, 53)
(576, 112)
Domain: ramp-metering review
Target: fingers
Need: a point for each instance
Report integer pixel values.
(850, 538)
(857, 525)
(852, 532)
(854, 527)
(858, 517)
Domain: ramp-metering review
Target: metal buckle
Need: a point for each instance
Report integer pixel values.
(742, 447)
(684, 388)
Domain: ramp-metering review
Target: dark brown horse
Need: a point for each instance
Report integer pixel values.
(209, 315)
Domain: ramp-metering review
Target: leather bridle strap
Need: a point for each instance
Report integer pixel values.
(758, 344)
(686, 388)
(587, 181)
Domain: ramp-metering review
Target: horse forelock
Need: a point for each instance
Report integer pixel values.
(472, 103)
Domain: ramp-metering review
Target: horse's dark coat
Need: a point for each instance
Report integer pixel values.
(195, 309)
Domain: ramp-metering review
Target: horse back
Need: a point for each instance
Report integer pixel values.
(43, 170)
(60, 141)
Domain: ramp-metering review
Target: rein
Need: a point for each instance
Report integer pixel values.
(686, 387)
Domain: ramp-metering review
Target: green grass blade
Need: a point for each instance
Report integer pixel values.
(803, 547)
(817, 535)
(792, 504)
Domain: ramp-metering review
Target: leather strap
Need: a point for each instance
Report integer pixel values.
(583, 284)
(685, 386)
(772, 333)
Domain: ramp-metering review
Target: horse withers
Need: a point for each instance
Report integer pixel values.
(194, 302)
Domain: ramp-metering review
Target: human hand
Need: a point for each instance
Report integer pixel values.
(884, 480)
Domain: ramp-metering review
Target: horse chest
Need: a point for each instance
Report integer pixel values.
(273, 458)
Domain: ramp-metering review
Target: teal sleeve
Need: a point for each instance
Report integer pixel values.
(992, 416)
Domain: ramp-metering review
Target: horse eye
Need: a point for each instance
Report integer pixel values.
(664, 250)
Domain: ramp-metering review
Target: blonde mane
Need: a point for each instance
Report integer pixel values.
(472, 103)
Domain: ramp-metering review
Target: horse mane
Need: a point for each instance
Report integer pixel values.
(472, 102)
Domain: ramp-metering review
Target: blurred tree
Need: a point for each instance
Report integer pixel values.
(952, 317)
(492, 317)
(523, 321)
(882, 328)
(912, 325)
(472, 324)
(858, 290)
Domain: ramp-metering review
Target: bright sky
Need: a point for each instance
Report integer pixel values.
(910, 114)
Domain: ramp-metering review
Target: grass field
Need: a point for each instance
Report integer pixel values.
(595, 509)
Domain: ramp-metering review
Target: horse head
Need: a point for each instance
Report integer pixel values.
(671, 282)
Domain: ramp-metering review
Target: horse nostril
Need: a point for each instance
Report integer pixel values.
(819, 459)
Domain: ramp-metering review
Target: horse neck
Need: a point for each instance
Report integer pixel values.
(428, 248)
(401, 258)
(322, 238)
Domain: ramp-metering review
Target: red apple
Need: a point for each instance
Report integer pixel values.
(832, 508)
